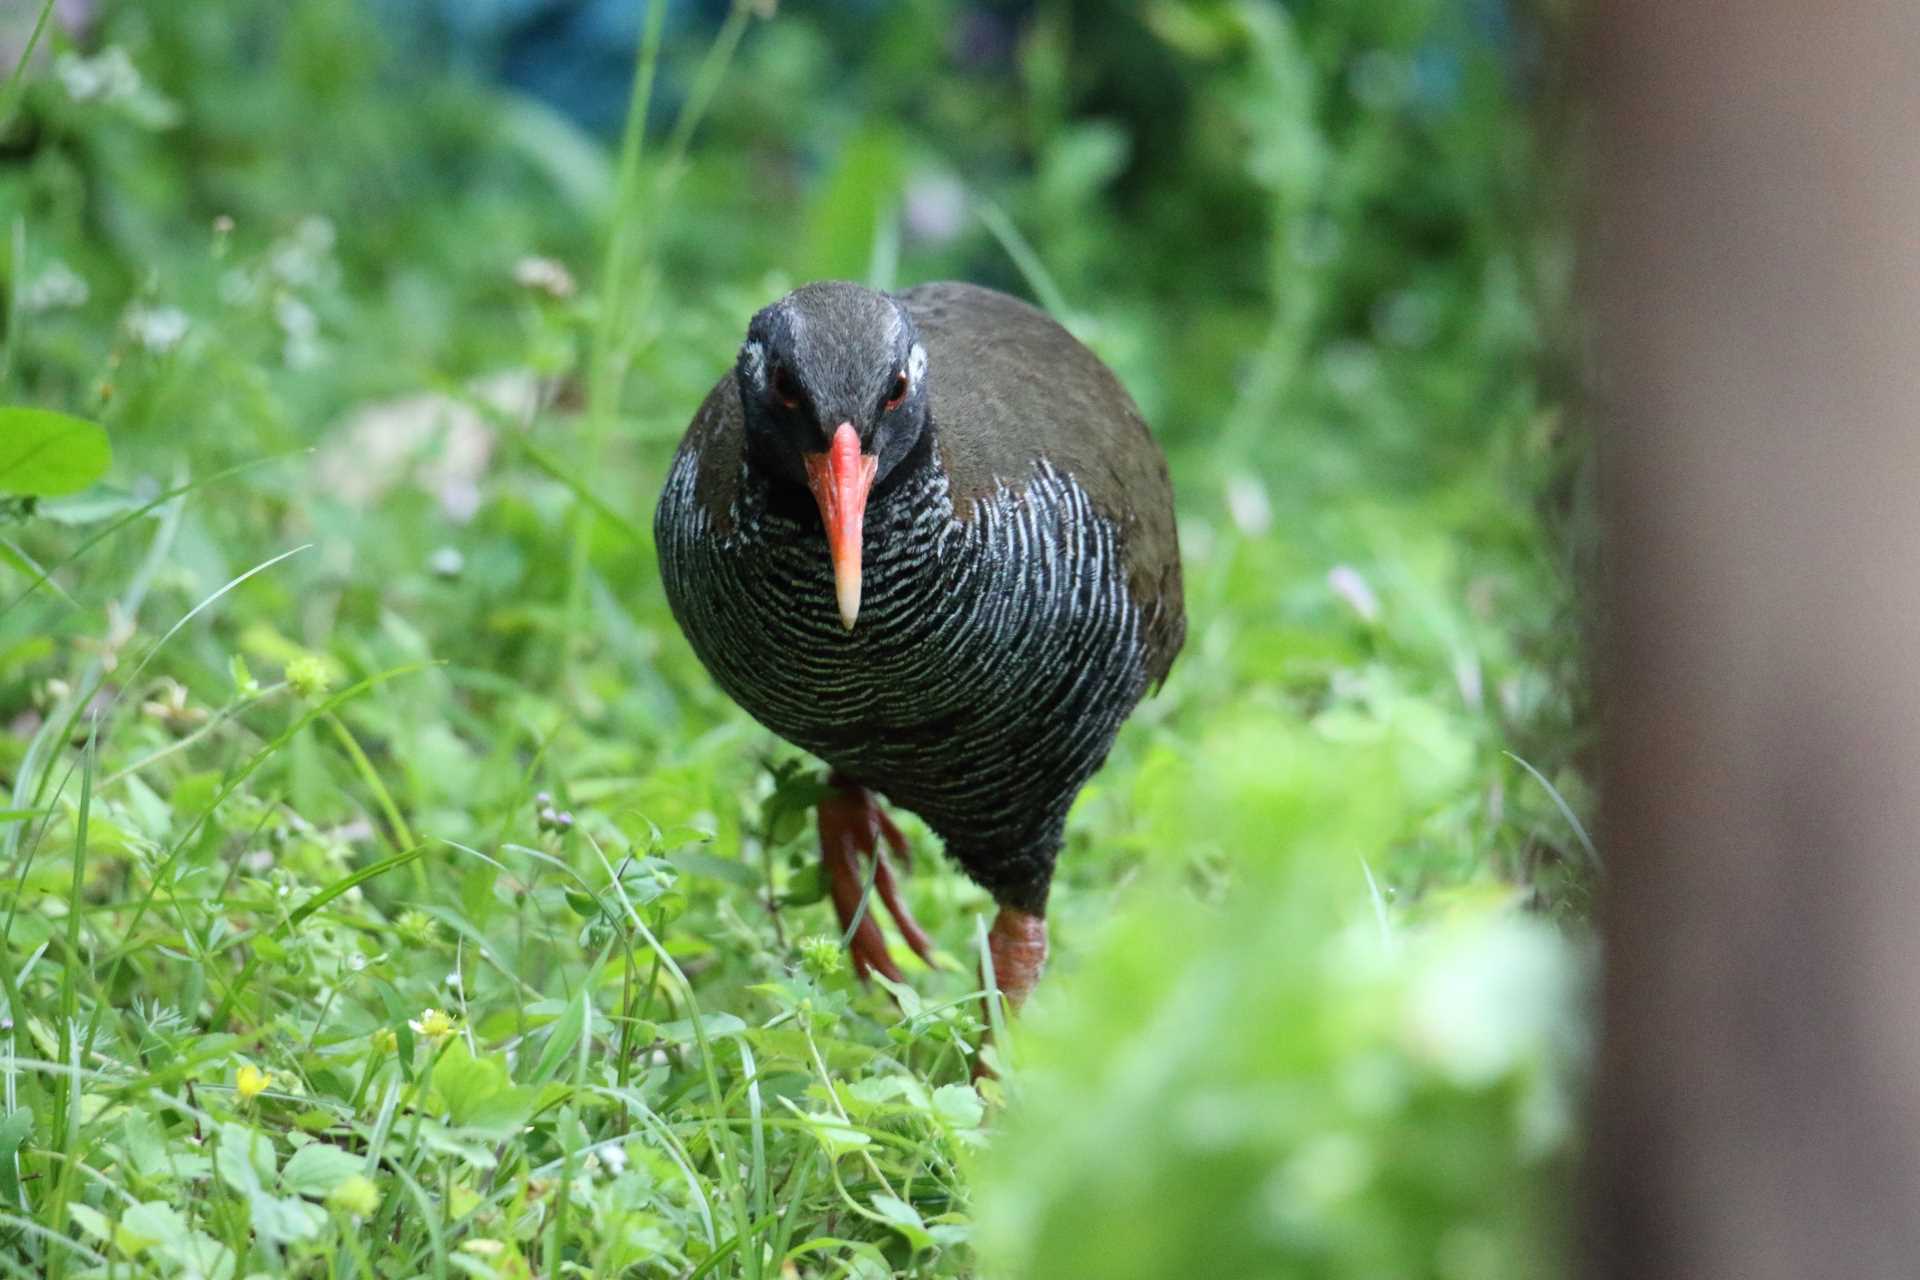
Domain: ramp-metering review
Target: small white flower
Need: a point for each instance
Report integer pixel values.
(295, 318)
(58, 288)
(1247, 504)
(1466, 675)
(1346, 582)
(935, 209)
(544, 275)
(158, 329)
(434, 1024)
(304, 257)
(107, 77)
(301, 349)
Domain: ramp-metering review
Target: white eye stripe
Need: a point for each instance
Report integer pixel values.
(753, 360)
(916, 365)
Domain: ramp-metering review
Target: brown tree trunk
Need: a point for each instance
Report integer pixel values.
(1755, 268)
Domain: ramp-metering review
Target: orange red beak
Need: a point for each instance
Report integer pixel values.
(840, 478)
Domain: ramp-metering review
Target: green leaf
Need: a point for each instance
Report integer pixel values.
(835, 1134)
(730, 870)
(864, 1096)
(909, 1000)
(904, 1218)
(478, 1094)
(806, 887)
(435, 1137)
(45, 453)
(959, 1106)
(13, 1132)
(198, 1256)
(680, 1030)
(153, 1223)
(99, 503)
(463, 1080)
(91, 1221)
(148, 1152)
(285, 1218)
(317, 1168)
(563, 1039)
(244, 1159)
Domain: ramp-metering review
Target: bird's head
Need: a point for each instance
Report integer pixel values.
(833, 390)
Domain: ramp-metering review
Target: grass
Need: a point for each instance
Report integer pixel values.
(384, 890)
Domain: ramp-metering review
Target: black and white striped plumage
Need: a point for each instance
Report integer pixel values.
(1021, 577)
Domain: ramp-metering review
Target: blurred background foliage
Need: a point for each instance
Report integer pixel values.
(1316, 1005)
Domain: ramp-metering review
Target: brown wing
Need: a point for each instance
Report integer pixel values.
(1032, 390)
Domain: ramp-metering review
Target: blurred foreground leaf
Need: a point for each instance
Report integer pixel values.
(45, 454)
(1282, 1083)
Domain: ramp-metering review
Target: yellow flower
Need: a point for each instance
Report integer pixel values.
(384, 1040)
(250, 1082)
(433, 1025)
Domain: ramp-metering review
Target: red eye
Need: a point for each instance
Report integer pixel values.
(897, 393)
(785, 387)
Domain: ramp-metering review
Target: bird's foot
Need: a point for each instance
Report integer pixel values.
(852, 827)
(1017, 946)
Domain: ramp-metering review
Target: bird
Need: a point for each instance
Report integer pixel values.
(927, 537)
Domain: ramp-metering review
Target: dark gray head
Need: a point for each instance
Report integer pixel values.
(833, 392)
(828, 354)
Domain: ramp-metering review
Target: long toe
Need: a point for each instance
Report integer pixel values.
(895, 840)
(889, 890)
(840, 858)
(852, 828)
(868, 948)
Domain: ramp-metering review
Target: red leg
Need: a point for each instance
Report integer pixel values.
(852, 826)
(1017, 944)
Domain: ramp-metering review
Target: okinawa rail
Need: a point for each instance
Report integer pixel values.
(927, 537)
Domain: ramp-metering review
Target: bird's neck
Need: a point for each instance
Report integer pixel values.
(914, 481)
(912, 472)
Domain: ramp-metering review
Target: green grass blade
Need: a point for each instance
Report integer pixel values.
(303, 912)
(17, 78)
(23, 564)
(1032, 270)
(113, 527)
(552, 467)
(1566, 811)
(401, 833)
